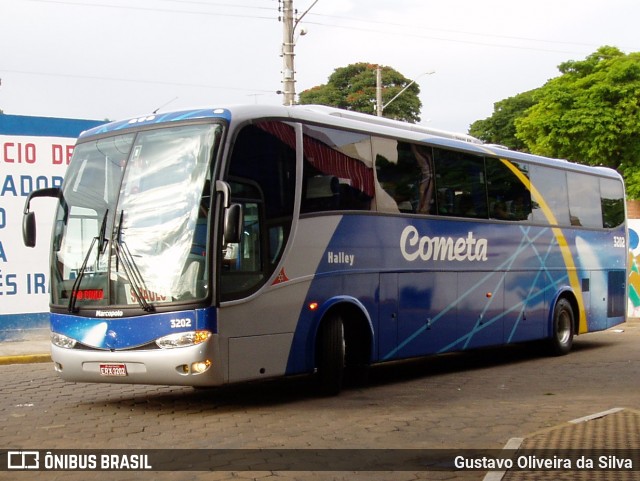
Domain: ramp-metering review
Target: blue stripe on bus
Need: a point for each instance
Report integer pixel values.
(456, 303)
(128, 332)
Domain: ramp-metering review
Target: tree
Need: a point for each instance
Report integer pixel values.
(500, 128)
(590, 114)
(354, 88)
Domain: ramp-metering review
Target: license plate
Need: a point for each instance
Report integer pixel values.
(113, 370)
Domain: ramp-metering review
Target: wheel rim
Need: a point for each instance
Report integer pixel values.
(564, 328)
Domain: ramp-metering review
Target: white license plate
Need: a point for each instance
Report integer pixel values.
(113, 370)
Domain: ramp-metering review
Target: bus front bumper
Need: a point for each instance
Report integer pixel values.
(197, 365)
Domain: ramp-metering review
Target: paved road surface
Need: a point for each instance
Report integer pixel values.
(477, 400)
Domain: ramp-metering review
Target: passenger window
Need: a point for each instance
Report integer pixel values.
(584, 206)
(461, 189)
(405, 177)
(338, 170)
(612, 201)
(509, 197)
(552, 186)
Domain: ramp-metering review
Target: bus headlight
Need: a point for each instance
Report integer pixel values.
(61, 340)
(183, 339)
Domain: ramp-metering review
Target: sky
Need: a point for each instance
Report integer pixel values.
(115, 59)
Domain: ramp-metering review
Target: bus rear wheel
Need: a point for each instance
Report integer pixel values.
(331, 350)
(563, 330)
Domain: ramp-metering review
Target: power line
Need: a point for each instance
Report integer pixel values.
(443, 39)
(443, 30)
(162, 10)
(333, 22)
(217, 4)
(334, 25)
(365, 22)
(117, 79)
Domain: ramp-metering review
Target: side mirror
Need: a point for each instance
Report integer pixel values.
(29, 229)
(29, 218)
(233, 224)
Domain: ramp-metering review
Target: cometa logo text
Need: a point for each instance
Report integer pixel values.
(414, 247)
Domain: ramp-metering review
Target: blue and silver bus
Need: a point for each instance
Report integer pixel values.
(215, 246)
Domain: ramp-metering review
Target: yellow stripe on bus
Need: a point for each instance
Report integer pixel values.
(562, 242)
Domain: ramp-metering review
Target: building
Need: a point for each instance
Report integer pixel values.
(34, 153)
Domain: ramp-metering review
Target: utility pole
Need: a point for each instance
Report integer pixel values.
(379, 106)
(288, 44)
(288, 47)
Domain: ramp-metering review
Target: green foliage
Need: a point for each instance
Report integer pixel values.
(354, 88)
(589, 114)
(500, 127)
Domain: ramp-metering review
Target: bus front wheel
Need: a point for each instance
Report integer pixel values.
(561, 339)
(331, 355)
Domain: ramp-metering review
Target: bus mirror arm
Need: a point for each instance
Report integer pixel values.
(225, 189)
(233, 218)
(29, 218)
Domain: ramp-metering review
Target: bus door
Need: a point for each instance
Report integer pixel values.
(261, 175)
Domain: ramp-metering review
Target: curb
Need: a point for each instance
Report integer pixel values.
(25, 359)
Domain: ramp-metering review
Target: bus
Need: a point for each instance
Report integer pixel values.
(223, 245)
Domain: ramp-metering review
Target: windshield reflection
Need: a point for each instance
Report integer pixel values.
(145, 198)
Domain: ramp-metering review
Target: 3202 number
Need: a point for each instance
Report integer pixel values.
(177, 323)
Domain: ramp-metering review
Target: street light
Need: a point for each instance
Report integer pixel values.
(379, 106)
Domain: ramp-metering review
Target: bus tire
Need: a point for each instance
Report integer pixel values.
(562, 328)
(331, 355)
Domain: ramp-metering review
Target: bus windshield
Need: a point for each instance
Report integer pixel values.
(131, 228)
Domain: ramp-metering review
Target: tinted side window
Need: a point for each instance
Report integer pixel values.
(612, 201)
(552, 185)
(262, 175)
(584, 201)
(460, 184)
(509, 197)
(265, 155)
(338, 170)
(405, 176)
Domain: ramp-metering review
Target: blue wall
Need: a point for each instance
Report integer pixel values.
(44, 126)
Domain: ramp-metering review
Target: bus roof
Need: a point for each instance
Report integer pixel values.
(156, 118)
(347, 119)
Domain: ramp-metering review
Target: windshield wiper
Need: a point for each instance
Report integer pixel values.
(76, 284)
(123, 254)
(101, 235)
